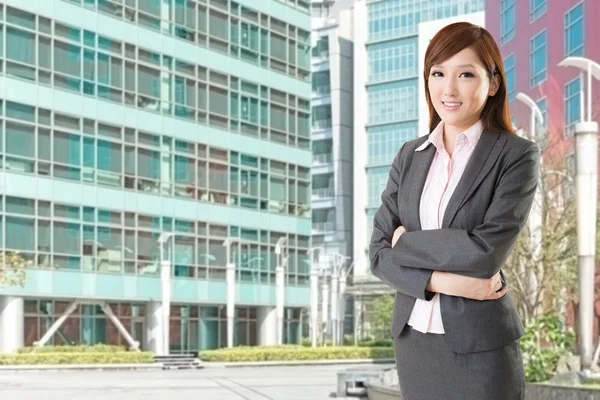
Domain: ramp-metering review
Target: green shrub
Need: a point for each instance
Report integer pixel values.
(542, 345)
(295, 353)
(87, 357)
(307, 342)
(376, 343)
(98, 348)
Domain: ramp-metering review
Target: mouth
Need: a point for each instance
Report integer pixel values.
(451, 105)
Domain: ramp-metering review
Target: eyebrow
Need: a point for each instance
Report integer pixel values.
(460, 66)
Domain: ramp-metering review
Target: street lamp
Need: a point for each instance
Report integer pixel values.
(165, 279)
(280, 286)
(537, 211)
(343, 279)
(230, 279)
(314, 293)
(586, 153)
(338, 264)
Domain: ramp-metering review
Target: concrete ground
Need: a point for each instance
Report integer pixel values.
(258, 383)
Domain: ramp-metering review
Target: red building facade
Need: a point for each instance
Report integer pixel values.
(534, 37)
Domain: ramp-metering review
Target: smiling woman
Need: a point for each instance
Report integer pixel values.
(454, 205)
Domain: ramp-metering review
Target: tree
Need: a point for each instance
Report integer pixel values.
(382, 308)
(12, 268)
(548, 281)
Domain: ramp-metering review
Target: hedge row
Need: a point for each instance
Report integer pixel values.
(86, 357)
(98, 348)
(295, 353)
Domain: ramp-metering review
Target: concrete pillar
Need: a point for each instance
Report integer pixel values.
(586, 150)
(154, 327)
(266, 326)
(87, 333)
(12, 321)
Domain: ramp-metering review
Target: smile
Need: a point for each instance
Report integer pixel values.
(450, 105)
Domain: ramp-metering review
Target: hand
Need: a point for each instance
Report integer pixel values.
(468, 287)
(397, 233)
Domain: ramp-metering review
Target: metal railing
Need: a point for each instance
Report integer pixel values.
(323, 192)
(324, 158)
(328, 226)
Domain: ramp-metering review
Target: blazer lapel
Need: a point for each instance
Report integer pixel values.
(419, 168)
(482, 160)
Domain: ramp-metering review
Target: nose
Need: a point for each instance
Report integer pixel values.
(450, 87)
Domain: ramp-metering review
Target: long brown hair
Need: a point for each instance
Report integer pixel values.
(454, 38)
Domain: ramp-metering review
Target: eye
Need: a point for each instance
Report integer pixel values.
(467, 75)
(436, 74)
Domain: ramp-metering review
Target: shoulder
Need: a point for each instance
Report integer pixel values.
(408, 148)
(517, 143)
(517, 148)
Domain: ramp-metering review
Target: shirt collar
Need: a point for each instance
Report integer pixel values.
(472, 134)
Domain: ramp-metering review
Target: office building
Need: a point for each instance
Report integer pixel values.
(125, 120)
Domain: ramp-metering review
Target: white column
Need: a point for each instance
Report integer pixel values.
(342, 308)
(334, 308)
(325, 308)
(230, 277)
(165, 277)
(12, 322)
(266, 326)
(586, 142)
(133, 344)
(314, 304)
(154, 330)
(279, 301)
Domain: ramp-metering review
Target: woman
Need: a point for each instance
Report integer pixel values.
(455, 203)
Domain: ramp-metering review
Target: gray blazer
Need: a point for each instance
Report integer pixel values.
(481, 224)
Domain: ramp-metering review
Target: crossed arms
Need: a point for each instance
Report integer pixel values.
(407, 267)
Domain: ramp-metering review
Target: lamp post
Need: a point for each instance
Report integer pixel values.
(230, 279)
(338, 264)
(280, 286)
(537, 210)
(343, 278)
(586, 152)
(314, 294)
(165, 280)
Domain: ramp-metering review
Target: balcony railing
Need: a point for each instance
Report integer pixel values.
(324, 158)
(321, 90)
(323, 192)
(321, 124)
(323, 226)
(321, 55)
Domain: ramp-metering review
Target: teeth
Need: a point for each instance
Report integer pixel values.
(452, 104)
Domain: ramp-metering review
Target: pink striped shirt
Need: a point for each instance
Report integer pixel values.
(442, 179)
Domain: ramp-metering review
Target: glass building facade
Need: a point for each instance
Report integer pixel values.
(123, 120)
(392, 80)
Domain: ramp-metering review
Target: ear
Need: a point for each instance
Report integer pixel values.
(494, 85)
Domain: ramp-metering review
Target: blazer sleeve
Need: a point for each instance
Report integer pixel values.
(481, 252)
(410, 281)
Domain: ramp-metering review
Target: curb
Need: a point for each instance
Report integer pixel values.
(256, 364)
(82, 367)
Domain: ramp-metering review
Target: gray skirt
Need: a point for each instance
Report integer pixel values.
(429, 370)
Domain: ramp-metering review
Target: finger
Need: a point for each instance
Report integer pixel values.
(501, 293)
(497, 286)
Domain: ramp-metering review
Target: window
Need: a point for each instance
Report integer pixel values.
(572, 105)
(511, 77)
(537, 8)
(508, 20)
(574, 31)
(538, 58)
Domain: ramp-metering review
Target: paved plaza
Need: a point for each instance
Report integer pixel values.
(259, 383)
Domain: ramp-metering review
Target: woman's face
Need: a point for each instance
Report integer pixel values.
(459, 88)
